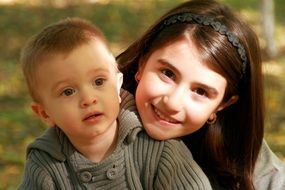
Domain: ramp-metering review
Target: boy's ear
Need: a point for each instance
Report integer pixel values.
(119, 84)
(231, 101)
(41, 113)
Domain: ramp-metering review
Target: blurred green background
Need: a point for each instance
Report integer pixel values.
(122, 21)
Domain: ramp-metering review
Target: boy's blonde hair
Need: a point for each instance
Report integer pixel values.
(58, 38)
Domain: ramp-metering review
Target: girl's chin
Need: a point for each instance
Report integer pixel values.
(159, 132)
(155, 134)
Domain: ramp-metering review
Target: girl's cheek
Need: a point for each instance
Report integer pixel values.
(198, 112)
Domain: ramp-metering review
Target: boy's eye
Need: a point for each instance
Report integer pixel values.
(201, 92)
(68, 92)
(99, 82)
(168, 73)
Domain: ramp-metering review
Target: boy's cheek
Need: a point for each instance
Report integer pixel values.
(41, 113)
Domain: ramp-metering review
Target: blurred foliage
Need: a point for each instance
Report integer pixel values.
(122, 21)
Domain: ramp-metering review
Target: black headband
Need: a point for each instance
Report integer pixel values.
(217, 26)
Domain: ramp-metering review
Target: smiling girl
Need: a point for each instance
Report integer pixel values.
(197, 74)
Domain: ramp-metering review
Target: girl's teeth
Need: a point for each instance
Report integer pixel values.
(163, 117)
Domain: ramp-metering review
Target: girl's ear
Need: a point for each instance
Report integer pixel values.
(119, 84)
(41, 113)
(231, 101)
(139, 73)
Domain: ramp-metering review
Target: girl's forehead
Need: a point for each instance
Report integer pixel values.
(181, 49)
(184, 58)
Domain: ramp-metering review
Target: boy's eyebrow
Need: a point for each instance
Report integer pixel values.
(60, 82)
(212, 90)
(105, 70)
(66, 80)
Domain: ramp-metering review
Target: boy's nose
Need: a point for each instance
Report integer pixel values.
(88, 98)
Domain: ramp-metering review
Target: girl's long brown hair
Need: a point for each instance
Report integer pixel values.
(228, 150)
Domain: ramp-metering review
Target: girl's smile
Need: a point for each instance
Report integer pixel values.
(177, 92)
(163, 117)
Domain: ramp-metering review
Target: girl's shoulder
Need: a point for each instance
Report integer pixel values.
(269, 171)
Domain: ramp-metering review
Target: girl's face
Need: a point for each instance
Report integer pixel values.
(177, 93)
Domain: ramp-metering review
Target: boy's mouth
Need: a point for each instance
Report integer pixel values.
(92, 116)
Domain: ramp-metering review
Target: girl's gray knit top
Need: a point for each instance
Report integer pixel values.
(138, 162)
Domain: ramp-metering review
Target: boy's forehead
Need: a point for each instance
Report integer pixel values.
(110, 59)
(105, 60)
(114, 66)
(94, 51)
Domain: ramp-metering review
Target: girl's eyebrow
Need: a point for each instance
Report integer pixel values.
(213, 91)
(167, 64)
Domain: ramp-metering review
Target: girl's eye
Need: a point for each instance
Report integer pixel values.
(201, 92)
(168, 73)
(99, 82)
(68, 92)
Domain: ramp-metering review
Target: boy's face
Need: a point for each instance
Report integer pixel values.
(80, 92)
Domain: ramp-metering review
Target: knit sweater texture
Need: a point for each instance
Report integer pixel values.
(138, 162)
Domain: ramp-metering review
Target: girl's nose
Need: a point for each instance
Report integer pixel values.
(174, 100)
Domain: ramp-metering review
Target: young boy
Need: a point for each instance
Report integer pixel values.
(91, 142)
